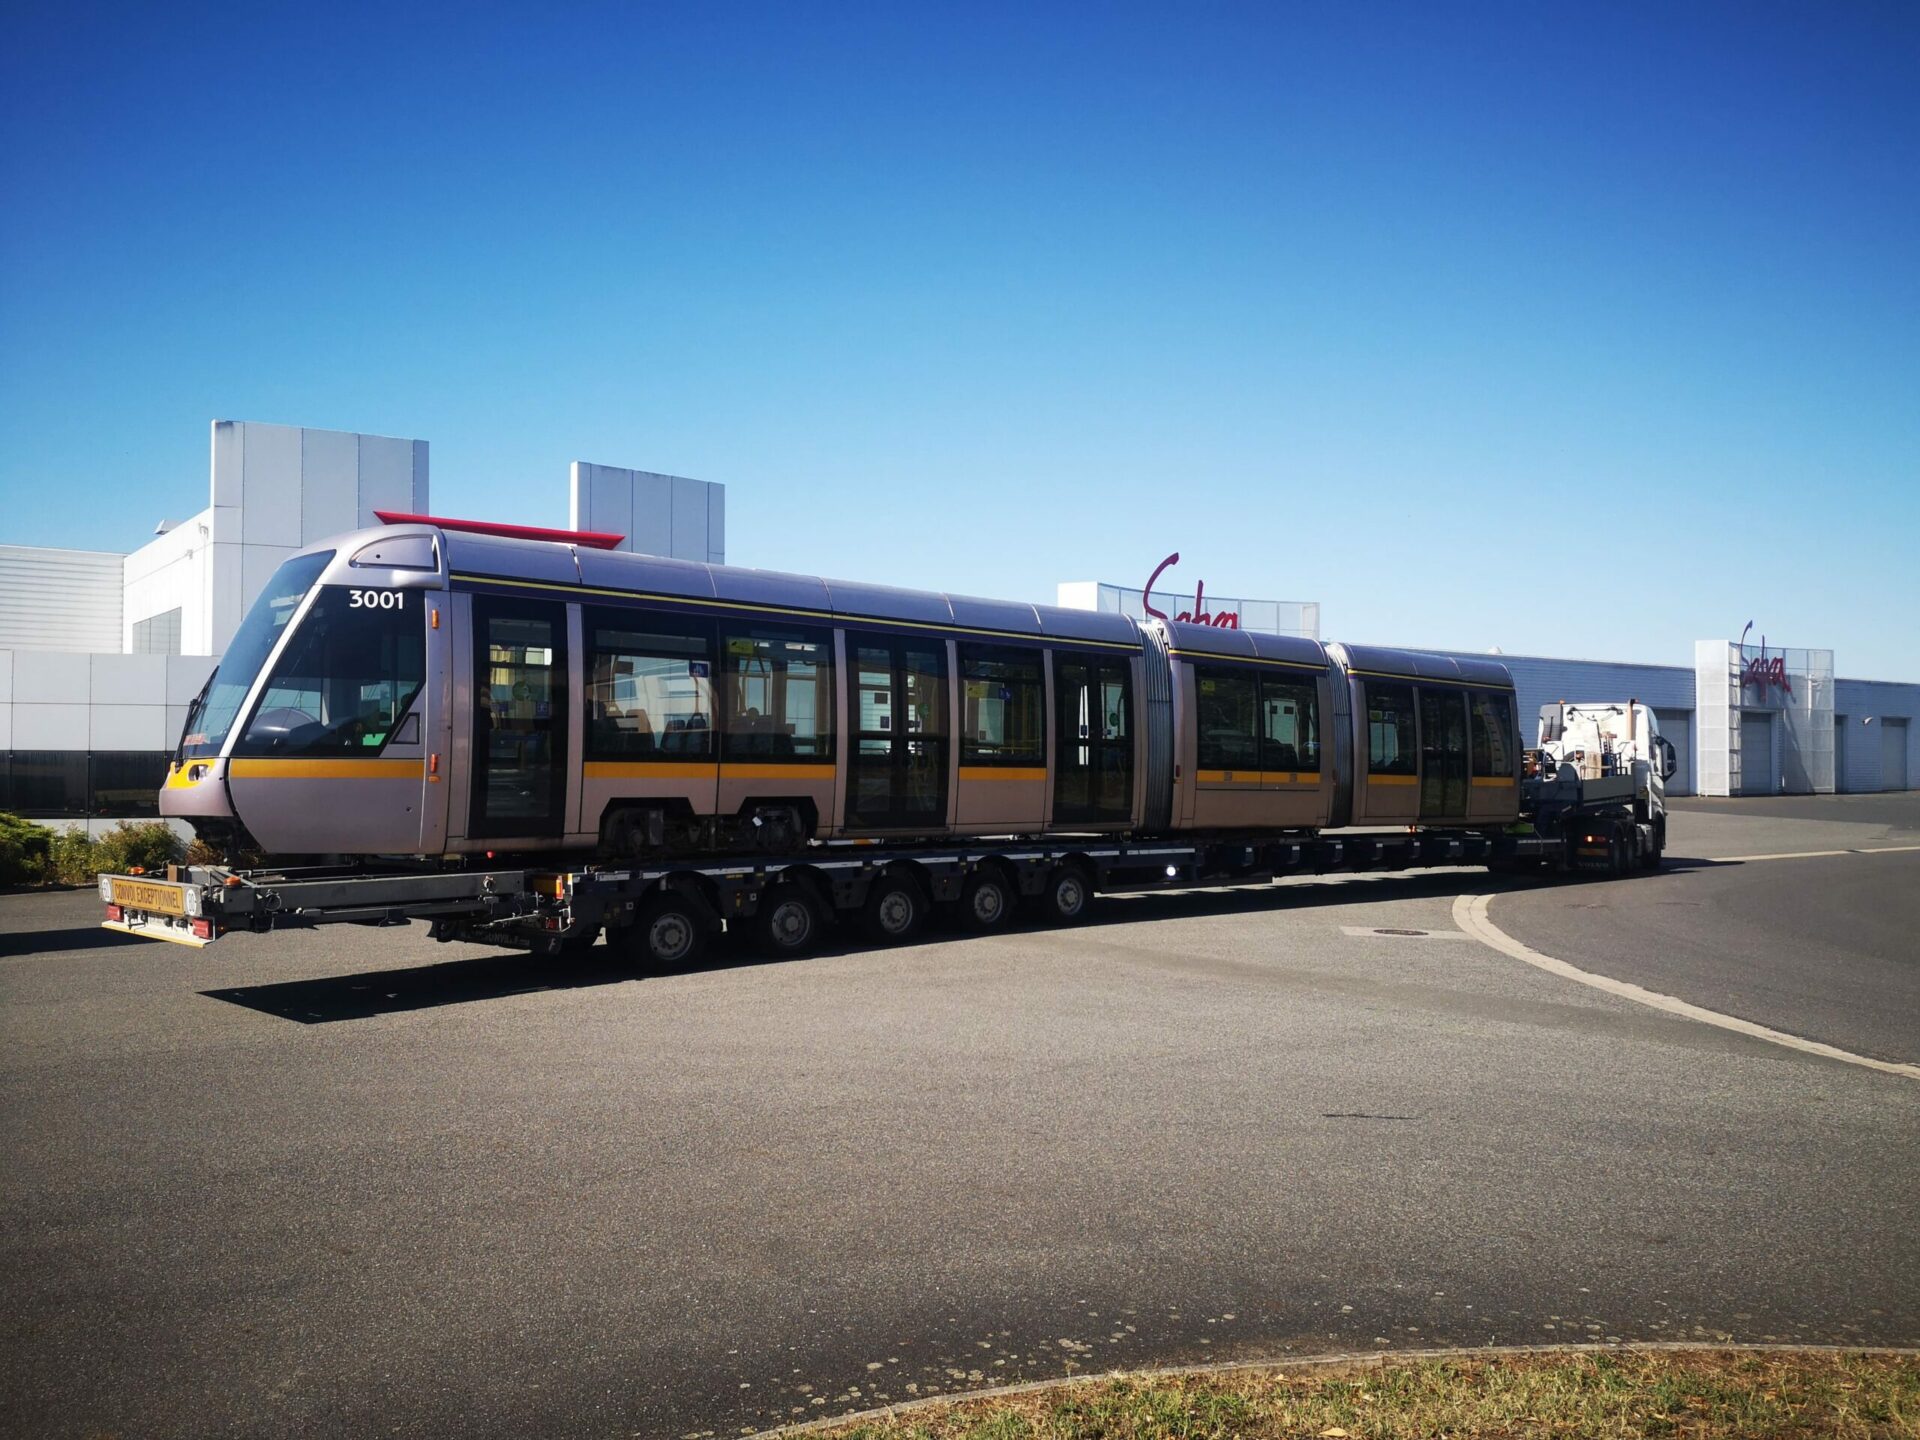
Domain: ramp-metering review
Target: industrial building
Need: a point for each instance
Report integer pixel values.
(101, 653)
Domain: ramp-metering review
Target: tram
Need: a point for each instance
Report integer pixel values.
(447, 689)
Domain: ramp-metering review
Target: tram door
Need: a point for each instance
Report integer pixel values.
(519, 717)
(1443, 754)
(897, 701)
(1093, 739)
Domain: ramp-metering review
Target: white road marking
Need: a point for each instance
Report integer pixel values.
(1809, 854)
(1374, 933)
(1470, 914)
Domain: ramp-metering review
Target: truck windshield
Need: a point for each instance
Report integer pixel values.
(213, 714)
(346, 678)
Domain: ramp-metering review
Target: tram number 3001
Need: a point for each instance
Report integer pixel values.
(377, 599)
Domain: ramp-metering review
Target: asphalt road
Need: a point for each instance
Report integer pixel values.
(323, 1183)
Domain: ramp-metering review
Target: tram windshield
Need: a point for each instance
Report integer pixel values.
(346, 678)
(218, 705)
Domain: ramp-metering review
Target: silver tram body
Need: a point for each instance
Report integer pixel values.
(414, 690)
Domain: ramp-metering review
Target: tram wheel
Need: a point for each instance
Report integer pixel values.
(788, 920)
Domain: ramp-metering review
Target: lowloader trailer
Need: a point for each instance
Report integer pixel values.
(663, 918)
(1593, 799)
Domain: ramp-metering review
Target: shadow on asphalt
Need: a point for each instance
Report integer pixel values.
(42, 942)
(368, 994)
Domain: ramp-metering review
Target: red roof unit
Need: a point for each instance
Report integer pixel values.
(591, 539)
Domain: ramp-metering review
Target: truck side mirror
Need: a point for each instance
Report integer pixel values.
(1669, 757)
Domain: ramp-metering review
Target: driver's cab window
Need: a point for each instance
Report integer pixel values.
(346, 679)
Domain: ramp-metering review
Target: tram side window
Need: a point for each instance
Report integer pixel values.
(1290, 715)
(345, 679)
(1003, 715)
(1227, 710)
(777, 694)
(649, 686)
(1493, 750)
(1391, 747)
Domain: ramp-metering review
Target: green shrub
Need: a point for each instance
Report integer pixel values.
(24, 850)
(150, 845)
(70, 860)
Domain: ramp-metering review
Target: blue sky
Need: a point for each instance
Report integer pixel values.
(1450, 318)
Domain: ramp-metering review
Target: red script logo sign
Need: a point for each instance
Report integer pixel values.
(1196, 616)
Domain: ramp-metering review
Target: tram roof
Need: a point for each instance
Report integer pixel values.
(1421, 665)
(803, 596)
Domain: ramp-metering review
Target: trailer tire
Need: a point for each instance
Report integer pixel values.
(669, 934)
(788, 920)
(896, 908)
(1066, 896)
(986, 900)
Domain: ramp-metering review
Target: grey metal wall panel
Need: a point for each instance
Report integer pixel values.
(688, 532)
(60, 599)
(386, 478)
(270, 485)
(329, 484)
(1895, 773)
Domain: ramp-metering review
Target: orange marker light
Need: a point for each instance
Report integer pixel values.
(434, 623)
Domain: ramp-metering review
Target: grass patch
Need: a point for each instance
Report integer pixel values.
(1608, 1395)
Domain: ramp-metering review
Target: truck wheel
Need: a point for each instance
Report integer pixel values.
(788, 920)
(668, 934)
(1067, 894)
(895, 909)
(985, 901)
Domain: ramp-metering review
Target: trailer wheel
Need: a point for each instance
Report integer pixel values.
(895, 909)
(788, 919)
(668, 934)
(985, 900)
(1067, 894)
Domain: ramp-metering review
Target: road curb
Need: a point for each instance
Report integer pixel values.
(1371, 1359)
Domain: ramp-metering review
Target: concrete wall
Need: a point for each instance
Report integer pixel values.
(656, 514)
(59, 599)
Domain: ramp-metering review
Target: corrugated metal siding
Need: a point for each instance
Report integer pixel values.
(1865, 706)
(59, 599)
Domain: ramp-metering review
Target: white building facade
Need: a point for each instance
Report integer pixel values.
(101, 653)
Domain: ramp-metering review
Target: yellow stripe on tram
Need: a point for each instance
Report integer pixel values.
(290, 769)
(651, 770)
(1256, 777)
(738, 771)
(1393, 779)
(1493, 781)
(1003, 772)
